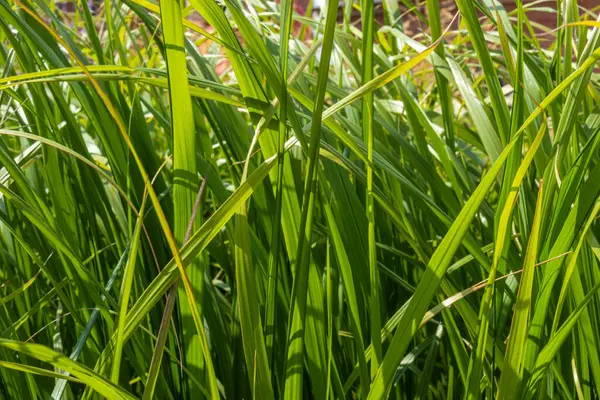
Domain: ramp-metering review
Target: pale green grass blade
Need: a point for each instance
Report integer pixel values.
(508, 387)
(274, 254)
(37, 371)
(86, 375)
(185, 181)
(486, 130)
(379, 81)
(468, 12)
(251, 326)
(250, 321)
(368, 21)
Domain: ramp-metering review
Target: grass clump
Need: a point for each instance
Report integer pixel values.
(205, 200)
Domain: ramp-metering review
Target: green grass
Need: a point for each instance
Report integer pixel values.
(274, 205)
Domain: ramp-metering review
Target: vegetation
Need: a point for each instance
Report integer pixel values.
(274, 205)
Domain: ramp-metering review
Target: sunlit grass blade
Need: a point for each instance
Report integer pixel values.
(367, 126)
(82, 373)
(508, 387)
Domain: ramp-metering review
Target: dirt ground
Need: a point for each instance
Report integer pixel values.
(545, 16)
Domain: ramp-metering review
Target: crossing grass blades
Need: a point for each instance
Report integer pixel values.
(235, 200)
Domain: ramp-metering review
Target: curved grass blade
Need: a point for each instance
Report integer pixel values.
(37, 371)
(86, 375)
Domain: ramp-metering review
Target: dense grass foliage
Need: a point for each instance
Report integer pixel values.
(262, 204)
